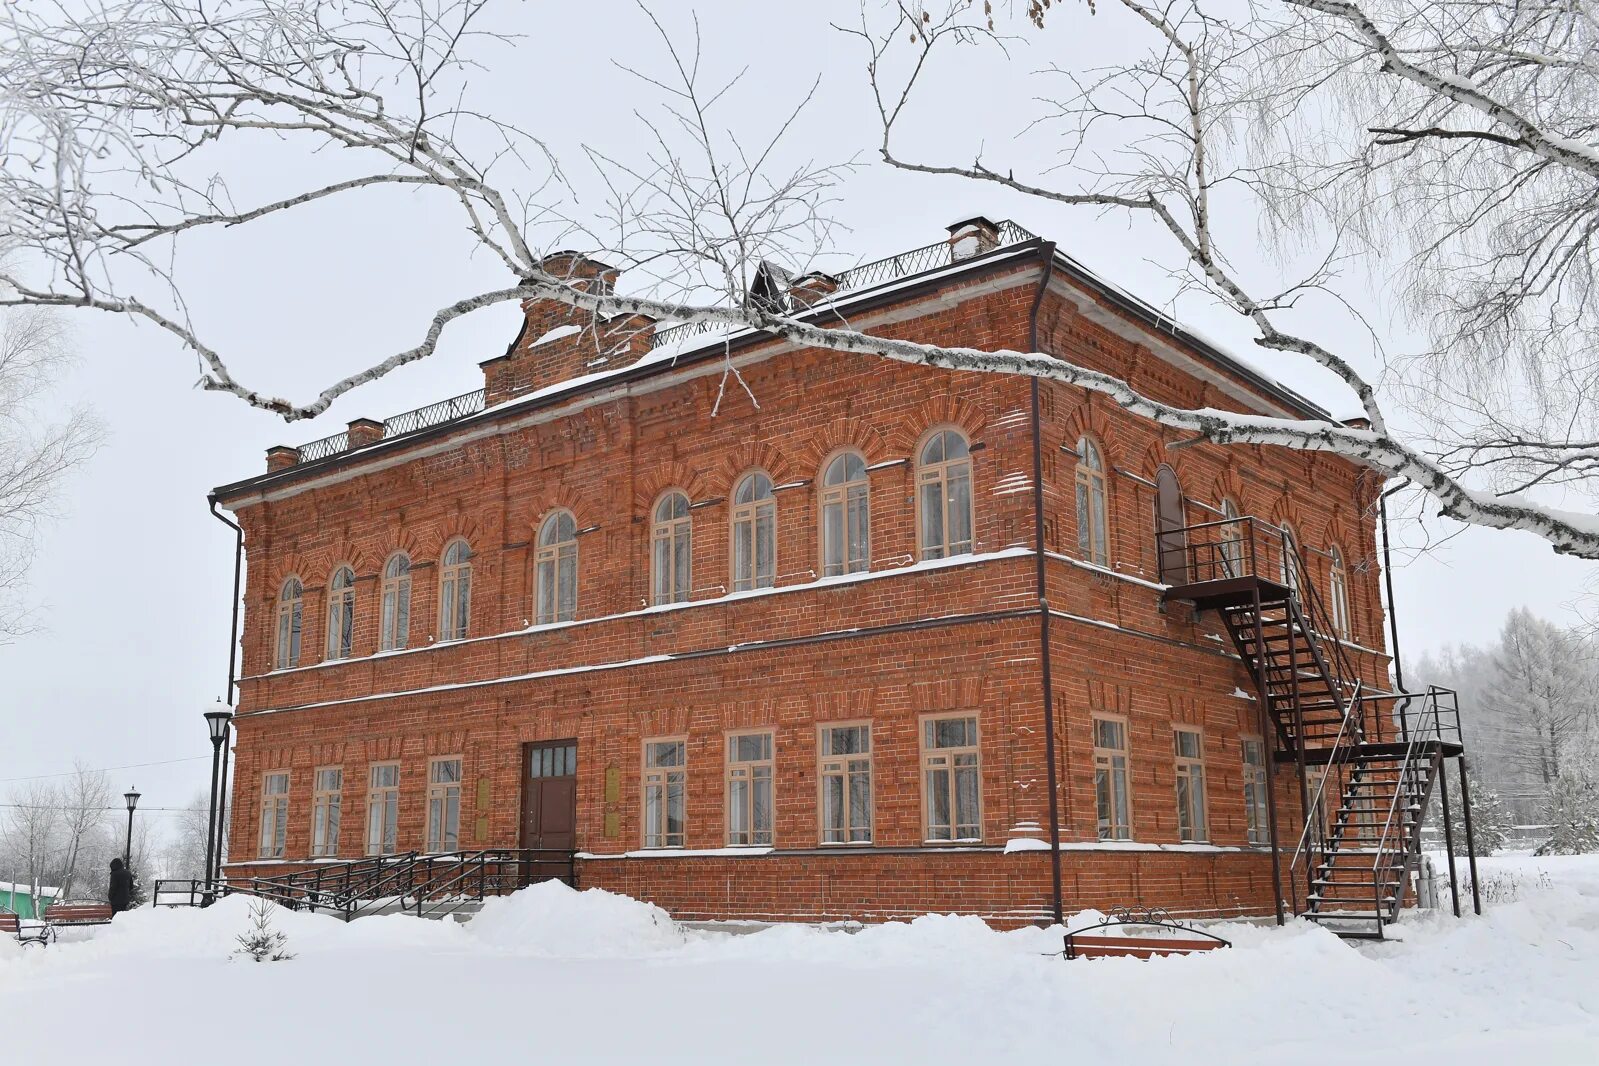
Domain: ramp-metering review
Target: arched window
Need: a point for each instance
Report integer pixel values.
(1230, 542)
(556, 581)
(341, 613)
(944, 495)
(290, 607)
(1288, 568)
(1339, 582)
(846, 517)
(455, 591)
(754, 534)
(1093, 543)
(1171, 540)
(670, 540)
(394, 627)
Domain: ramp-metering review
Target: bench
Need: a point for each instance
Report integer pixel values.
(78, 912)
(1170, 938)
(27, 931)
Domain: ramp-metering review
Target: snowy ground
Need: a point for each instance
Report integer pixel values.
(555, 976)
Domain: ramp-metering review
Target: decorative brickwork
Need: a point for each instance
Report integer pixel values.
(908, 639)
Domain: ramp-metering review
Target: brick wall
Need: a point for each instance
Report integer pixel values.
(888, 648)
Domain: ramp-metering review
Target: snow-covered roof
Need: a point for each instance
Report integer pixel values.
(14, 888)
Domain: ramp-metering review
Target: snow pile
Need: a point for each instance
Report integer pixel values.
(549, 919)
(599, 978)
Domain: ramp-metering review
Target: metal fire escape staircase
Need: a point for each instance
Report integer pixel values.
(1367, 761)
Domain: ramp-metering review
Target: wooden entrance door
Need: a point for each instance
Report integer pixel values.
(549, 795)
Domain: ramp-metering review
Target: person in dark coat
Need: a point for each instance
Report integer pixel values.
(121, 892)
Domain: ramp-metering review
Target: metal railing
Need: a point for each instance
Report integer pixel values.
(1410, 796)
(411, 882)
(876, 272)
(1318, 837)
(434, 414)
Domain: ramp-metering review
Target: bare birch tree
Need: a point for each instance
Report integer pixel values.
(36, 450)
(117, 124)
(29, 836)
(85, 798)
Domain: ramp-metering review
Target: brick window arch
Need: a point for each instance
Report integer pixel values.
(754, 533)
(341, 613)
(944, 496)
(846, 530)
(394, 622)
(1093, 539)
(291, 614)
(671, 543)
(556, 563)
(455, 590)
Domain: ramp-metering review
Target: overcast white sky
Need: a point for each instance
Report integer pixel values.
(134, 583)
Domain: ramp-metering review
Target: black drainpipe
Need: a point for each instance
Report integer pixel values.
(228, 690)
(1388, 579)
(1047, 250)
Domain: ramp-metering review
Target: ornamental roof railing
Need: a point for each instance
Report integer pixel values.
(877, 272)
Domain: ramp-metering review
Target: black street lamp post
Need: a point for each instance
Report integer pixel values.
(132, 796)
(217, 725)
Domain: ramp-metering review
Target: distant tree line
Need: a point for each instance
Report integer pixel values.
(61, 834)
(1529, 708)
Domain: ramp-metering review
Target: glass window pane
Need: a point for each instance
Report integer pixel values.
(960, 509)
(932, 508)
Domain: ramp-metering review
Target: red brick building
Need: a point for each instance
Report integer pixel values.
(783, 644)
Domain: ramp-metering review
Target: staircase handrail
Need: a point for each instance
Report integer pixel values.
(1321, 624)
(1341, 746)
(1402, 789)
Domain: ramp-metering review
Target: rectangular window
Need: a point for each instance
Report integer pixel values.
(327, 799)
(749, 789)
(1110, 779)
(1190, 762)
(1255, 791)
(665, 807)
(274, 815)
(846, 777)
(444, 805)
(951, 788)
(383, 810)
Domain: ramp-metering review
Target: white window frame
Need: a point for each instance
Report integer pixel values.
(750, 780)
(934, 508)
(665, 787)
(844, 533)
(555, 570)
(327, 803)
(1193, 821)
(274, 814)
(1113, 780)
(1093, 520)
(291, 623)
(444, 805)
(944, 770)
(395, 611)
(856, 822)
(382, 810)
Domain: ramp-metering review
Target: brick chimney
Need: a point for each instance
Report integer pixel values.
(364, 431)
(973, 236)
(559, 342)
(281, 457)
(808, 290)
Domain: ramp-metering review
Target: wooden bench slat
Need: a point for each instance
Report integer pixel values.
(1164, 942)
